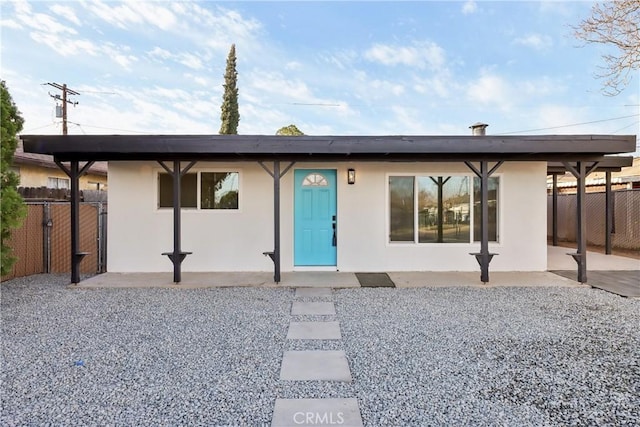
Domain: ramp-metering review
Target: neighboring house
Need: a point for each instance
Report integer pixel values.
(627, 178)
(356, 204)
(40, 170)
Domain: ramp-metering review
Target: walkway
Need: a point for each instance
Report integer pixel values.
(315, 365)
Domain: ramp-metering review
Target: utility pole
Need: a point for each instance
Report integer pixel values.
(65, 90)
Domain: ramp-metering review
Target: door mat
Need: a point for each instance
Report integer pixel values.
(375, 280)
(625, 283)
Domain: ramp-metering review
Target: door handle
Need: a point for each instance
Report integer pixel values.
(334, 242)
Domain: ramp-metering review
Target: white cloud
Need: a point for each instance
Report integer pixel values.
(65, 47)
(491, 90)
(160, 53)
(65, 12)
(419, 54)
(202, 81)
(535, 41)
(470, 6)
(133, 14)
(293, 65)
(284, 88)
(191, 61)
(387, 87)
(10, 23)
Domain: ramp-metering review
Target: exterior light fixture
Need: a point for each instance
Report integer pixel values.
(351, 176)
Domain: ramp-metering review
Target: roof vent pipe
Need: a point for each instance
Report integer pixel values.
(478, 129)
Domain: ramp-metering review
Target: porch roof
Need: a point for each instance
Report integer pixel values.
(329, 148)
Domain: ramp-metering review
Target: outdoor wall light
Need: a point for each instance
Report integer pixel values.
(351, 176)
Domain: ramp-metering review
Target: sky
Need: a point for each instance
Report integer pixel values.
(330, 68)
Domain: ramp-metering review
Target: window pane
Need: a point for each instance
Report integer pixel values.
(401, 196)
(219, 190)
(443, 218)
(494, 186)
(188, 188)
(427, 209)
(456, 201)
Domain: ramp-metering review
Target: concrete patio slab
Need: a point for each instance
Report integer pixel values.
(557, 259)
(312, 365)
(303, 308)
(189, 280)
(320, 279)
(313, 292)
(314, 331)
(316, 412)
(462, 278)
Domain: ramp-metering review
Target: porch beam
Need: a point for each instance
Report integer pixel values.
(74, 172)
(580, 173)
(554, 210)
(276, 174)
(608, 210)
(484, 257)
(177, 255)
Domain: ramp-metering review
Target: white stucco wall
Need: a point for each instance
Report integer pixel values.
(235, 240)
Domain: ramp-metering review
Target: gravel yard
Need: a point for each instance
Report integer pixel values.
(429, 356)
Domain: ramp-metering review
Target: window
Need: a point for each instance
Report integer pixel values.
(218, 190)
(188, 190)
(438, 209)
(443, 209)
(58, 183)
(494, 186)
(314, 180)
(401, 209)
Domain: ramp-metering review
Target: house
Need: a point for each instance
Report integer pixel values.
(40, 170)
(347, 203)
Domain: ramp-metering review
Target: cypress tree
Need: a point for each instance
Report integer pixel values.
(230, 116)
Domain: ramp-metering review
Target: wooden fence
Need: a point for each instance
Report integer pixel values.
(43, 243)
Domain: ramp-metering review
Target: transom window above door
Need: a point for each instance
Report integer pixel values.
(315, 180)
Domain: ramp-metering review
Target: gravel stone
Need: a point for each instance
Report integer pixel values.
(429, 356)
(506, 356)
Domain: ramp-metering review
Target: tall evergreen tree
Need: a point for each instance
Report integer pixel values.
(12, 208)
(230, 116)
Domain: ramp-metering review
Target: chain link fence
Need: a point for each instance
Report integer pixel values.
(626, 218)
(43, 243)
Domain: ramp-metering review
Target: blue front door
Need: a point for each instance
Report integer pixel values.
(315, 237)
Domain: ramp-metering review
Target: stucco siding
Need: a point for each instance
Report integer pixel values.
(233, 240)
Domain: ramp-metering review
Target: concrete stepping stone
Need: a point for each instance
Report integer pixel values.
(313, 292)
(314, 331)
(316, 412)
(312, 308)
(311, 365)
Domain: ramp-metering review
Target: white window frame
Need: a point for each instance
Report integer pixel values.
(58, 180)
(416, 231)
(198, 208)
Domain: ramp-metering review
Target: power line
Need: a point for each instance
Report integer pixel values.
(574, 124)
(628, 126)
(106, 128)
